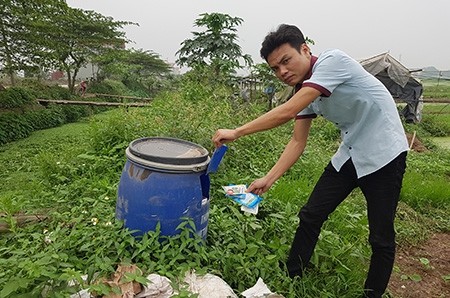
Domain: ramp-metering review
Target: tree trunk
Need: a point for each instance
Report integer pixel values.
(10, 70)
(70, 82)
(12, 77)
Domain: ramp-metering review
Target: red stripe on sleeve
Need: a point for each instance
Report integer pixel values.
(322, 90)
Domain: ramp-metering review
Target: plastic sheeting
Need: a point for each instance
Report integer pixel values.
(399, 81)
(157, 286)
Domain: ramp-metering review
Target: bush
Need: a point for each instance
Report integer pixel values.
(57, 92)
(74, 113)
(43, 91)
(108, 87)
(16, 97)
(13, 126)
(136, 88)
(24, 115)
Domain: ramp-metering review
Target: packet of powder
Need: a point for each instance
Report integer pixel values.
(238, 194)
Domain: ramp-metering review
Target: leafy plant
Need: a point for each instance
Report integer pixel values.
(425, 262)
(216, 46)
(15, 98)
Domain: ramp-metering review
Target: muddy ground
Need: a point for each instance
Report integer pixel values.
(423, 271)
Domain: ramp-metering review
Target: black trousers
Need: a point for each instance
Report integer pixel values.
(381, 190)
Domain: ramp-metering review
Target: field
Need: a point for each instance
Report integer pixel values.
(436, 88)
(67, 178)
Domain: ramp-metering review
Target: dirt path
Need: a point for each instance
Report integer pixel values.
(423, 271)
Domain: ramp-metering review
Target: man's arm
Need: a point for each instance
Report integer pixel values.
(292, 152)
(271, 119)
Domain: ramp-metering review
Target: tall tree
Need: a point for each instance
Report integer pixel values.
(75, 37)
(50, 34)
(17, 32)
(124, 63)
(129, 66)
(9, 29)
(215, 46)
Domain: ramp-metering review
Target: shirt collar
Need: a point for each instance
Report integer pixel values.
(308, 75)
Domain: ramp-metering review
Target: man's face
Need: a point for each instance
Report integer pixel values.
(290, 65)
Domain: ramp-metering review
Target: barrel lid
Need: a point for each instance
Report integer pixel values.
(165, 150)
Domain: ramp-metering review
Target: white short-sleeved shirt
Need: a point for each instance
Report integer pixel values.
(361, 107)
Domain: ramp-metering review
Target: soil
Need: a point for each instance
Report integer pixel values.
(413, 278)
(415, 143)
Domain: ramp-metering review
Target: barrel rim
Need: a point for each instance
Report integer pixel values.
(164, 167)
(169, 160)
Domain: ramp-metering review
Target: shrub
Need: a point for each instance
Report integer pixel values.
(44, 91)
(13, 126)
(16, 97)
(74, 113)
(109, 87)
(23, 114)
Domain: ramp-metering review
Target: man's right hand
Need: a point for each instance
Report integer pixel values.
(223, 136)
(259, 186)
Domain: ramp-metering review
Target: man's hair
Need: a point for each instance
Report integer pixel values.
(284, 34)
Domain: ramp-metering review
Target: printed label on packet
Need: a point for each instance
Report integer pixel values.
(247, 200)
(235, 189)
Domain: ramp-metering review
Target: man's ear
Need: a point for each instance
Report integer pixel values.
(304, 48)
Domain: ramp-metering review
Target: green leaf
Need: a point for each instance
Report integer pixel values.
(251, 250)
(9, 288)
(425, 262)
(13, 285)
(415, 277)
(277, 215)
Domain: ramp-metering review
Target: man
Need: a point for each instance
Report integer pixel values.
(83, 86)
(371, 156)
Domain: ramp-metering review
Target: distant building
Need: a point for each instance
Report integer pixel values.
(56, 75)
(84, 73)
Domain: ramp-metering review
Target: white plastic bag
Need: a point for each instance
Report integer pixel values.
(260, 290)
(157, 287)
(208, 286)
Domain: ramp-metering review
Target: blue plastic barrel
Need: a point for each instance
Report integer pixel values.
(164, 181)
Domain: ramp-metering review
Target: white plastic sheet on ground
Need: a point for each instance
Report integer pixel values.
(260, 290)
(157, 287)
(206, 286)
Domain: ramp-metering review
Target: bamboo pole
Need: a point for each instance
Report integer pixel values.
(92, 103)
(21, 219)
(412, 140)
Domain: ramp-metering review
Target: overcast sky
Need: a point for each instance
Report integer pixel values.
(415, 32)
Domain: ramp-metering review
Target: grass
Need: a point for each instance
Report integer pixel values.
(436, 117)
(72, 172)
(436, 88)
(444, 142)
